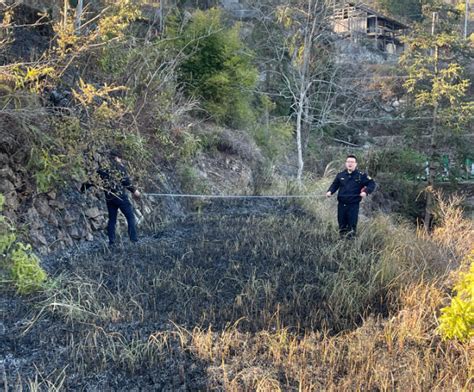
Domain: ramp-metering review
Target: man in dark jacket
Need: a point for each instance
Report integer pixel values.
(353, 186)
(115, 182)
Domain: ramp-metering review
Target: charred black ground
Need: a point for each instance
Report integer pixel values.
(260, 264)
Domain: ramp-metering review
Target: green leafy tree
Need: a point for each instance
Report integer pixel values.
(437, 85)
(218, 67)
(411, 9)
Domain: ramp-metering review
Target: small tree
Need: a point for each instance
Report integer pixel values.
(218, 67)
(305, 42)
(437, 85)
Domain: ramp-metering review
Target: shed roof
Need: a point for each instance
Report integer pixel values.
(361, 6)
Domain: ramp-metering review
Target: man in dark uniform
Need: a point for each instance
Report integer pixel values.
(353, 186)
(115, 182)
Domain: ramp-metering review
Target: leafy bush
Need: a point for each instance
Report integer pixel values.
(30, 77)
(48, 165)
(190, 180)
(26, 271)
(274, 138)
(114, 60)
(211, 140)
(400, 195)
(7, 234)
(117, 19)
(108, 123)
(17, 259)
(133, 145)
(409, 163)
(217, 67)
(190, 146)
(52, 168)
(457, 319)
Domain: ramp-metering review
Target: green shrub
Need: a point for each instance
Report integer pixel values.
(17, 259)
(457, 319)
(211, 140)
(114, 60)
(48, 169)
(405, 161)
(190, 180)
(7, 234)
(217, 68)
(7, 238)
(401, 195)
(26, 271)
(133, 145)
(190, 145)
(274, 138)
(182, 146)
(60, 155)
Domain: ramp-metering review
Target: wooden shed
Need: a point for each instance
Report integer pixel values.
(357, 21)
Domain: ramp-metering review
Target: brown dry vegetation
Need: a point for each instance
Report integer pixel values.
(248, 298)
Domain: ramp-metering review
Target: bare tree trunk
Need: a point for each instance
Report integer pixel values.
(432, 172)
(160, 16)
(307, 120)
(65, 8)
(79, 8)
(466, 18)
(299, 122)
(434, 131)
(305, 84)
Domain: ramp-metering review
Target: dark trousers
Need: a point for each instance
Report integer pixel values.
(347, 216)
(125, 206)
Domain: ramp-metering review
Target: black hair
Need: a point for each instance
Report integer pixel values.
(352, 156)
(114, 153)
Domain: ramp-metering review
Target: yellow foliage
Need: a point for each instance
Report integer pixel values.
(31, 77)
(88, 93)
(457, 319)
(66, 38)
(115, 24)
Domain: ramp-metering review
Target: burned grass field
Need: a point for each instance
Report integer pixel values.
(239, 297)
